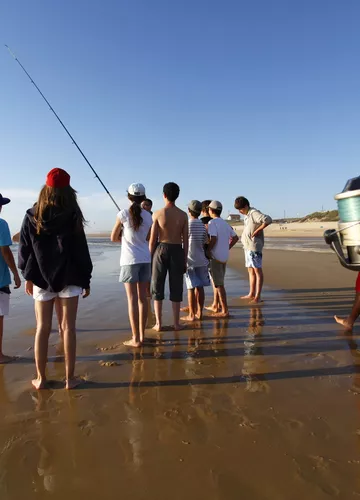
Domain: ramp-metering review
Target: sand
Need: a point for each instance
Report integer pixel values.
(261, 406)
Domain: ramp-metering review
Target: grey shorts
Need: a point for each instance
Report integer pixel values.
(168, 258)
(135, 273)
(217, 271)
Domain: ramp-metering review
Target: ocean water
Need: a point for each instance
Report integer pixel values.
(304, 244)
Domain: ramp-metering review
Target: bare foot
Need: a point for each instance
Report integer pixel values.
(157, 327)
(39, 383)
(247, 297)
(256, 300)
(344, 322)
(188, 318)
(177, 328)
(199, 317)
(212, 308)
(74, 382)
(6, 359)
(132, 343)
(184, 309)
(221, 315)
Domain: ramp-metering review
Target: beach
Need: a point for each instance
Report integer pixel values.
(263, 405)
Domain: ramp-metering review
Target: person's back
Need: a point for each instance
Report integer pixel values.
(169, 248)
(171, 221)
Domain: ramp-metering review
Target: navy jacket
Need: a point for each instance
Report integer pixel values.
(58, 256)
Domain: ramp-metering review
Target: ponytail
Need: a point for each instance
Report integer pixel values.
(135, 211)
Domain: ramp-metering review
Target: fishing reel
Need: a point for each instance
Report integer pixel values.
(345, 241)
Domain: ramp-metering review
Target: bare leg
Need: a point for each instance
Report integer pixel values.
(142, 290)
(133, 308)
(223, 302)
(348, 322)
(192, 306)
(176, 315)
(69, 309)
(43, 313)
(158, 315)
(259, 281)
(3, 359)
(215, 306)
(252, 283)
(200, 300)
(59, 315)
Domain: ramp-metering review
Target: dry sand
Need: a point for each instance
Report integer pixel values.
(261, 406)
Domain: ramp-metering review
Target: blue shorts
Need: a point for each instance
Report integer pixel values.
(197, 277)
(135, 273)
(253, 259)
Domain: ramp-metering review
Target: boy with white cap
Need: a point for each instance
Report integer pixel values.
(7, 264)
(222, 239)
(197, 275)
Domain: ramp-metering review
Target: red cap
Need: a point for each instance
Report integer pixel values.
(57, 178)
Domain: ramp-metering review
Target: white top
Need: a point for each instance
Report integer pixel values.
(197, 240)
(134, 244)
(223, 232)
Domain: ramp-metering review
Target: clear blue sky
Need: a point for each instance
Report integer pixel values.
(257, 98)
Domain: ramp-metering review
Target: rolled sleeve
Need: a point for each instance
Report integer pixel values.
(260, 218)
(212, 231)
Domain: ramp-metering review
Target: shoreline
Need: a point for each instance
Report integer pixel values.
(298, 270)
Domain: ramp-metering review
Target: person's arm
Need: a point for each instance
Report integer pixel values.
(263, 220)
(154, 236)
(233, 241)
(185, 240)
(116, 232)
(10, 262)
(84, 262)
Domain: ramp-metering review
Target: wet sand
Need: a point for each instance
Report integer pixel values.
(261, 406)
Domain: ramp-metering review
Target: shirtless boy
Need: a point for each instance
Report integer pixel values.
(169, 248)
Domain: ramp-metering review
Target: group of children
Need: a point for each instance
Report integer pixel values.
(55, 262)
(174, 243)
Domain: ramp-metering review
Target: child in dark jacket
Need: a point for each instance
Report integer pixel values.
(55, 262)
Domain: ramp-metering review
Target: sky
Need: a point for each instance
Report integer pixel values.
(225, 97)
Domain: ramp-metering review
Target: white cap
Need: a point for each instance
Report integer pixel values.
(136, 189)
(215, 205)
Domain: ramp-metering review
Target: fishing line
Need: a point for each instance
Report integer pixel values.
(64, 127)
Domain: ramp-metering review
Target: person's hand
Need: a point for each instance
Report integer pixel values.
(29, 288)
(17, 281)
(86, 293)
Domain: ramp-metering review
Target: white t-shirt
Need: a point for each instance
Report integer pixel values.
(134, 246)
(197, 240)
(223, 232)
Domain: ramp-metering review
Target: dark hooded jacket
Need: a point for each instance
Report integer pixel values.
(57, 257)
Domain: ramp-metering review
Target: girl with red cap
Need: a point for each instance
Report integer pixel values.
(55, 261)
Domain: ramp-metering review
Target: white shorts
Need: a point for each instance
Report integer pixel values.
(4, 304)
(68, 292)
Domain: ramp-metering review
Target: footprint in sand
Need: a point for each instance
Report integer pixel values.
(109, 363)
(87, 427)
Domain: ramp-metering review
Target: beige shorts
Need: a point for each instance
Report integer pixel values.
(67, 293)
(217, 271)
(4, 304)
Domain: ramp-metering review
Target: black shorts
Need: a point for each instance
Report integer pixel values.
(168, 258)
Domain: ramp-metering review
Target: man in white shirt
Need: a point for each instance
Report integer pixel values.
(222, 239)
(197, 275)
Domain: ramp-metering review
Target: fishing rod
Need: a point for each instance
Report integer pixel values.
(63, 126)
